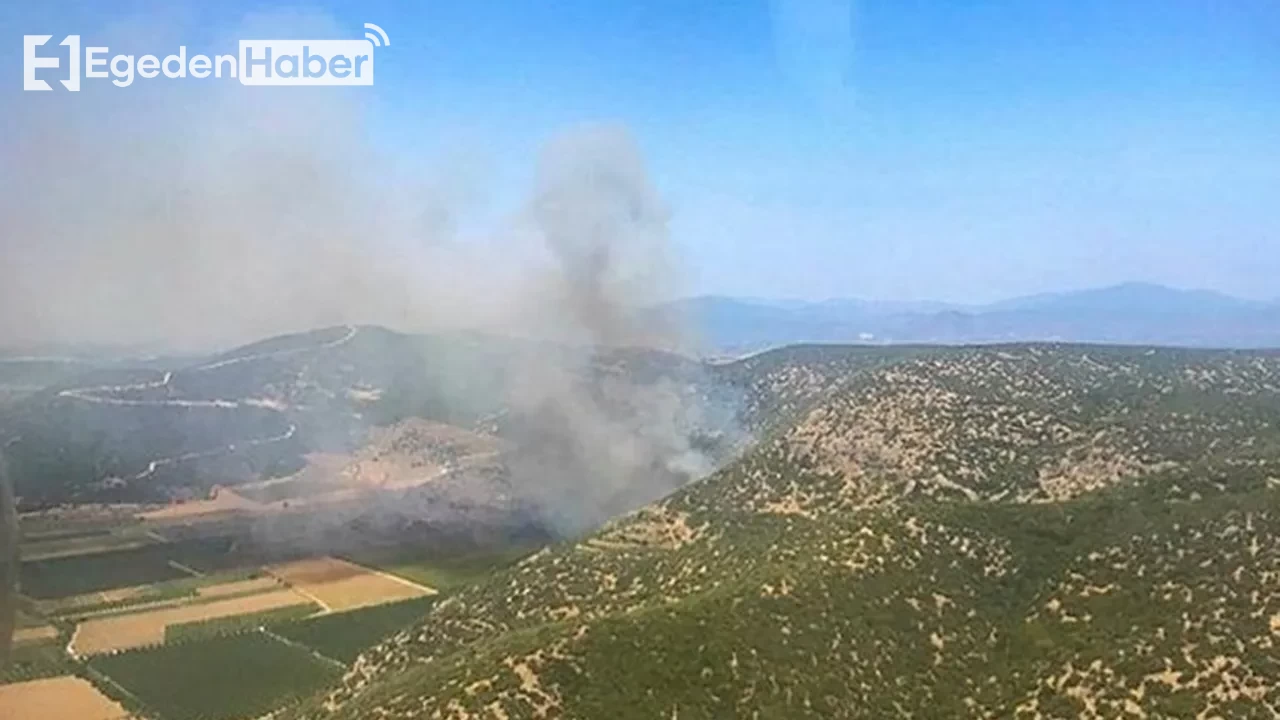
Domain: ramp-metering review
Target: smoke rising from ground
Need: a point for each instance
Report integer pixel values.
(606, 229)
(196, 216)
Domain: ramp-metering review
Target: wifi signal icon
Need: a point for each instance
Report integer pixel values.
(376, 35)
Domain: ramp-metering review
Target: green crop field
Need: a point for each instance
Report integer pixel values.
(66, 547)
(187, 586)
(342, 636)
(230, 676)
(445, 572)
(44, 579)
(79, 574)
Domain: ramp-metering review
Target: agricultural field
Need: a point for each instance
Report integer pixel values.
(339, 585)
(36, 661)
(343, 636)
(60, 697)
(97, 571)
(247, 586)
(168, 592)
(220, 678)
(233, 624)
(34, 635)
(128, 630)
(448, 571)
(107, 593)
(82, 545)
(78, 521)
(95, 608)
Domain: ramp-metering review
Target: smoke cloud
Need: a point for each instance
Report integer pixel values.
(606, 229)
(195, 216)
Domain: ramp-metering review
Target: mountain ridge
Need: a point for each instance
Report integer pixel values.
(1124, 314)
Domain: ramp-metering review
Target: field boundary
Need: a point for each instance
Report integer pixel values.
(339, 585)
(96, 676)
(68, 695)
(396, 578)
(142, 629)
(87, 551)
(294, 643)
(324, 606)
(192, 600)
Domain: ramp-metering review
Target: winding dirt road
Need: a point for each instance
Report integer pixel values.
(101, 395)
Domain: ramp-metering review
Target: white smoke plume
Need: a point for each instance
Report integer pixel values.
(195, 216)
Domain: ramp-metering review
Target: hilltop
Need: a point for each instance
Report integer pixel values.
(1031, 531)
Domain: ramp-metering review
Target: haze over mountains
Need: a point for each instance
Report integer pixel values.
(1127, 314)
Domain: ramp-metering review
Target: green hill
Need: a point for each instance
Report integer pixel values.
(174, 432)
(1023, 531)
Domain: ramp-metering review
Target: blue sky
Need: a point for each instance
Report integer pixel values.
(960, 150)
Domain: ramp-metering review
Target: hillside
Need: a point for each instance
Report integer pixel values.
(1022, 531)
(115, 433)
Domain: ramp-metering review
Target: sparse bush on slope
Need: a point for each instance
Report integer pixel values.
(1029, 532)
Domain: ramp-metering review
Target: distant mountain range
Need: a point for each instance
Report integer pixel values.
(1128, 314)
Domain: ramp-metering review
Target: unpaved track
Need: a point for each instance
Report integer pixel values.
(155, 465)
(100, 396)
(352, 331)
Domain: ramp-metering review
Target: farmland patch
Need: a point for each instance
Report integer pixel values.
(191, 680)
(343, 636)
(34, 635)
(60, 697)
(450, 571)
(340, 585)
(81, 574)
(32, 662)
(231, 624)
(140, 629)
